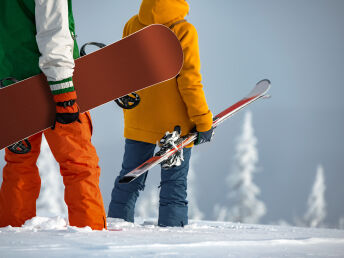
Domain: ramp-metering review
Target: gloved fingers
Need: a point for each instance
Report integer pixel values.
(67, 118)
(66, 115)
(66, 108)
(203, 137)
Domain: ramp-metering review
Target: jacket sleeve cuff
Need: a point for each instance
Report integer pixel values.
(204, 122)
(62, 86)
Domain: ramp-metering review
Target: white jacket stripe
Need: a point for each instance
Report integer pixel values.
(61, 86)
(54, 39)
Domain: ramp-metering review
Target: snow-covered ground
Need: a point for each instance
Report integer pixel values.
(51, 237)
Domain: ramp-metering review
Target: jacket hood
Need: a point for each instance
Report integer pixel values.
(162, 11)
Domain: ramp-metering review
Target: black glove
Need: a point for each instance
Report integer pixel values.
(203, 137)
(67, 110)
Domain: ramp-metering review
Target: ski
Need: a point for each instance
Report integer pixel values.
(259, 91)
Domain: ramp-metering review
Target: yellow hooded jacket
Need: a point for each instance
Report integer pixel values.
(179, 101)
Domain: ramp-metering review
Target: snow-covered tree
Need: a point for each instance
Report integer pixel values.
(242, 197)
(50, 201)
(316, 212)
(220, 212)
(148, 205)
(194, 211)
(341, 223)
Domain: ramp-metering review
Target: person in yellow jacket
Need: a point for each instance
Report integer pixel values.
(180, 101)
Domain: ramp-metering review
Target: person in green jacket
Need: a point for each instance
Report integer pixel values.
(38, 35)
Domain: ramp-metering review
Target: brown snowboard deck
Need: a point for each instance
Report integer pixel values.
(145, 58)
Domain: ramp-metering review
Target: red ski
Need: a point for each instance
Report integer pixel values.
(259, 91)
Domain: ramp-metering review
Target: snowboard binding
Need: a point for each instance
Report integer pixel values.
(97, 44)
(24, 146)
(168, 142)
(126, 102)
(21, 147)
(2, 81)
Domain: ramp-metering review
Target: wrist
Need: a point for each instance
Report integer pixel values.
(63, 97)
(65, 86)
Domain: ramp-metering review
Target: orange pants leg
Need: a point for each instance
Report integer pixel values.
(20, 186)
(72, 148)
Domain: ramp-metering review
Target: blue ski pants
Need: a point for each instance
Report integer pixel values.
(173, 206)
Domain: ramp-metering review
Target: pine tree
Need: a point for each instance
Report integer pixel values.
(220, 212)
(316, 212)
(148, 205)
(341, 223)
(50, 201)
(194, 211)
(242, 196)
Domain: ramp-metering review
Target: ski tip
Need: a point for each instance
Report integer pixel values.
(263, 85)
(265, 81)
(126, 179)
(260, 89)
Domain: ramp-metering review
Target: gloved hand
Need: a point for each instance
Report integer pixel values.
(67, 110)
(203, 137)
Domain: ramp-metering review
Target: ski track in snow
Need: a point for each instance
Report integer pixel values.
(51, 237)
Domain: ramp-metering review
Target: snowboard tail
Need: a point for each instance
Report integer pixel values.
(145, 58)
(258, 92)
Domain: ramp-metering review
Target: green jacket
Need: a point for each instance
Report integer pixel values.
(19, 51)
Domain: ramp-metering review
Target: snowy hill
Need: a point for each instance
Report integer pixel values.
(50, 237)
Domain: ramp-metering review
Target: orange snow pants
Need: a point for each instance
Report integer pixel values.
(72, 148)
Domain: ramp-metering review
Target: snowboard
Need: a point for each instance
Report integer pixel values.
(145, 58)
(259, 91)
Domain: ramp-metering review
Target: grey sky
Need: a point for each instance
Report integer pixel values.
(299, 46)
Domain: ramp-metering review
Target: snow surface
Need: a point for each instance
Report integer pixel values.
(52, 237)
